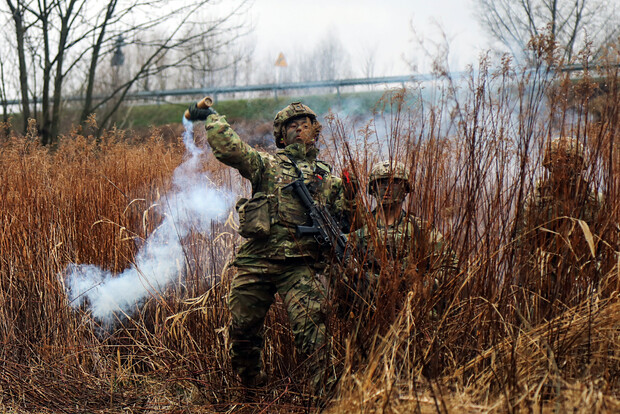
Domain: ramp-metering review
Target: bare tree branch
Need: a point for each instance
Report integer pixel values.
(514, 22)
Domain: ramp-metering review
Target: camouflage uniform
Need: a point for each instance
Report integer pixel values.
(277, 261)
(550, 234)
(410, 242)
(410, 245)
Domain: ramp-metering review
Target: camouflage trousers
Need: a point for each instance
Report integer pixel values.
(251, 295)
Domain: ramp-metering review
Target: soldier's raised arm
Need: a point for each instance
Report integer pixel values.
(226, 144)
(231, 150)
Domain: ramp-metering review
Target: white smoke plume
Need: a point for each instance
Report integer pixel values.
(191, 205)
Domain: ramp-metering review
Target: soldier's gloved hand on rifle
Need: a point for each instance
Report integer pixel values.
(351, 184)
(199, 114)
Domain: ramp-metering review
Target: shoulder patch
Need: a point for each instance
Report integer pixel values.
(266, 156)
(323, 166)
(281, 155)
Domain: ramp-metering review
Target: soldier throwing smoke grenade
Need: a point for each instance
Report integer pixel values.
(274, 260)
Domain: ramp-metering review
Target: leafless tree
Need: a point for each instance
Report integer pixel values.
(17, 9)
(3, 94)
(328, 60)
(331, 58)
(571, 23)
(70, 42)
(209, 60)
(369, 60)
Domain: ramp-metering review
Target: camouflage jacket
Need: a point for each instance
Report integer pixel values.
(270, 174)
(409, 244)
(545, 218)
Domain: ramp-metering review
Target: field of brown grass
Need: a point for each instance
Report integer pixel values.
(474, 149)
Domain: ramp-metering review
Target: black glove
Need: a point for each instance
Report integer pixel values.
(199, 114)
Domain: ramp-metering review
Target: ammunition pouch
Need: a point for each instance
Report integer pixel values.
(255, 216)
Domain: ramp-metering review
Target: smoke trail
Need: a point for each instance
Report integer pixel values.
(191, 205)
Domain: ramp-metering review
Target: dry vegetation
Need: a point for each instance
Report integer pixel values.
(474, 150)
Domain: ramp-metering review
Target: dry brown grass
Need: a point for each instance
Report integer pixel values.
(473, 152)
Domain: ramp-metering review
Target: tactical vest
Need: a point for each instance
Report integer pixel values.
(398, 238)
(279, 171)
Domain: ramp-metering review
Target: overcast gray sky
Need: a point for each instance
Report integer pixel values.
(363, 26)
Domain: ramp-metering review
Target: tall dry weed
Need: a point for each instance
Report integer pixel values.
(509, 339)
(473, 342)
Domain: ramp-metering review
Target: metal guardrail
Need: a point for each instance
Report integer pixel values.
(275, 87)
(336, 84)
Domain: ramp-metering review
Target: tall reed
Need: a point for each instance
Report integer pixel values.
(473, 148)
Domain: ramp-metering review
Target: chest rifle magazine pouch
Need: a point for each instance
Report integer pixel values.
(254, 216)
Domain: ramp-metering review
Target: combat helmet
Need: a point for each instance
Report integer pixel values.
(567, 150)
(391, 170)
(294, 110)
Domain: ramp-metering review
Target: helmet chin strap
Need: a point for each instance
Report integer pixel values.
(390, 212)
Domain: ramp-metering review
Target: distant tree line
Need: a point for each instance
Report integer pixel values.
(100, 51)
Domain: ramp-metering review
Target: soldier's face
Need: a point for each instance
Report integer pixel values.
(299, 131)
(389, 191)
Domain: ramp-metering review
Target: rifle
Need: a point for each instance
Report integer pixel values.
(324, 228)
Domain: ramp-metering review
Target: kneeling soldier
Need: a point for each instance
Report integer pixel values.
(407, 245)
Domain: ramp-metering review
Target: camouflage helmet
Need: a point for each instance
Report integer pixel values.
(566, 149)
(391, 170)
(294, 110)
